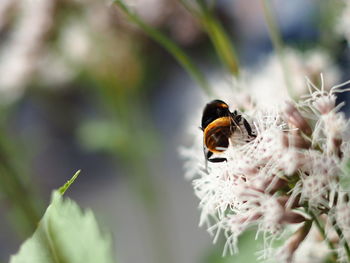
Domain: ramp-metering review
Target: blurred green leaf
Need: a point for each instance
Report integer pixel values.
(66, 234)
(15, 187)
(101, 135)
(247, 248)
(344, 180)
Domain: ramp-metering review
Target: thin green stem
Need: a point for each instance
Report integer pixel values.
(15, 190)
(17, 194)
(341, 236)
(277, 43)
(219, 38)
(323, 234)
(169, 45)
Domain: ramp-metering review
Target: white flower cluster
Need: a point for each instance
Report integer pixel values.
(343, 23)
(286, 177)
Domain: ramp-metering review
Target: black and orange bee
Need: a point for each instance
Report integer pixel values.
(218, 125)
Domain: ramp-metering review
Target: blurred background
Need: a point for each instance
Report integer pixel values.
(82, 87)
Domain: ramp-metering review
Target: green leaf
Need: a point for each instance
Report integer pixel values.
(344, 179)
(248, 245)
(66, 235)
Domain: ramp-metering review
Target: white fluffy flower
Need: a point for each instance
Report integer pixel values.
(274, 180)
(319, 179)
(342, 216)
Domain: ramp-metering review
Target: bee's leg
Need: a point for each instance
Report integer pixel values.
(215, 160)
(208, 154)
(236, 118)
(248, 128)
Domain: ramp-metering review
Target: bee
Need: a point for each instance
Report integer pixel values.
(218, 125)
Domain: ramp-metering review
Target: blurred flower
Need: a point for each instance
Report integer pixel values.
(76, 40)
(153, 11)
(312, 250)
(54, 70)
(19, 54)
(5, 10)
(343, 23)
(280, 179)
(310, 63)
(59, 64)
(38, 46)
(169, 14)
(265, 85)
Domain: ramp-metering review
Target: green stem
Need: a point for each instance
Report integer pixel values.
(219, 38)
(341, 236)
(169, 45)
(190, 8)
(18, 195)
(23, 214)
(323, 234)
(277, 43)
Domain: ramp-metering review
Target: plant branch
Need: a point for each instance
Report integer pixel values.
(323, 234)
(169, 45)
(219, 38)
(341, 236)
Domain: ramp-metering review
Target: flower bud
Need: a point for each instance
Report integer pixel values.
(294, 118)
(295, 139)
(293, 243)
(291, 217)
